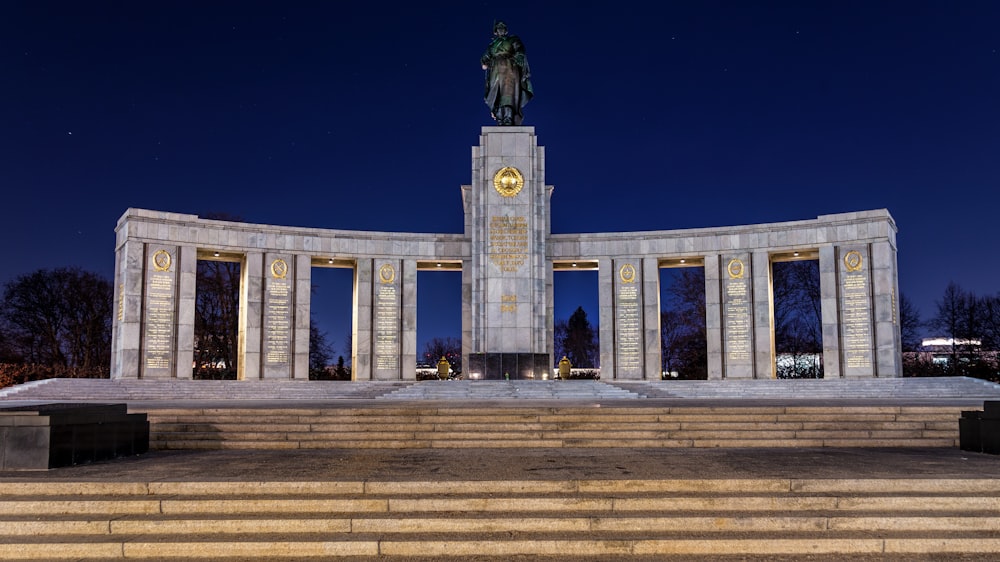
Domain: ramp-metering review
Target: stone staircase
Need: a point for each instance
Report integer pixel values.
(460, 390)
(130, 390)
(749, 519)
(909, 389)
(427, 426)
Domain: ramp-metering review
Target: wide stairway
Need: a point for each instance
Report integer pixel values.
(511, 390)
(130, 390)
(910, 390)
(484, 426)
(751, 519)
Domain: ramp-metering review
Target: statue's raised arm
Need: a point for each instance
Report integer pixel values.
(508, 88)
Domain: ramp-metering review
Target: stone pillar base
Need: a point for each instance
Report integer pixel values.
(515, 366)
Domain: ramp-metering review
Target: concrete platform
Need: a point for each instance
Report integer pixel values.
(416, 465)
(761, 504)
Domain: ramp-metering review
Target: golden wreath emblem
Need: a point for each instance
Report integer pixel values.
(161, 260)
(279, 269)
(736, 268)
(508, 181)
(853, 261)
(627, 273)
(386, 274)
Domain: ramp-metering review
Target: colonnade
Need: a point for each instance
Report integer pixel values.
(155, 289)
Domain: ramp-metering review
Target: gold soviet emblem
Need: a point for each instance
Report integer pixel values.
(735, 269)
(508, 181)
(386, 274)
(279, 269)
(853, 261)
(161, 260)
(627, 273)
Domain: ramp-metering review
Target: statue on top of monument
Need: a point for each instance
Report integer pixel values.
(508, 88)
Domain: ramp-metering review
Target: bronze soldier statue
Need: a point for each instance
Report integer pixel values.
(508, 88)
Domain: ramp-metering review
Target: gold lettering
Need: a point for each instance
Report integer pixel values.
(508, 242)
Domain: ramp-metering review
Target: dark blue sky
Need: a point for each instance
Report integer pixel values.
(362, 115)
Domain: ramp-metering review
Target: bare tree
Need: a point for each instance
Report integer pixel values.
(963, 318)
(59, 317)
(672, 334)
(216, 319)
(559, 330)
(320, 353)
(450, 348)
(682, 323)
(991, 322)
(579, 343)
(949, 321)
(798, 330)
(909, 324)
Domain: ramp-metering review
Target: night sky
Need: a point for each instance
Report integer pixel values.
(362, 116)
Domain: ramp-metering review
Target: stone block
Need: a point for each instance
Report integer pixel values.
(67, 434)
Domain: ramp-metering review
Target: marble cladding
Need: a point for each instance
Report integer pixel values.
(506, 307)
(140, 225)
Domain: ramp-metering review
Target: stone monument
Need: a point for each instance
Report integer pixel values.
(507, 255)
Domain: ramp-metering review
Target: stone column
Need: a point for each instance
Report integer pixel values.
(126, 338)
(468, 334)
(713, 316)
(737, 316)
(606, 317)
(507, 222)
(361, 339)
(251, 311)
(763, 316)
(302, 298)
(408, 327)
(651, 318)
(159, 319)
(187, 294)
(629, 339)
(856, 311)
(830, 312)
(888, 340)
(550, 313)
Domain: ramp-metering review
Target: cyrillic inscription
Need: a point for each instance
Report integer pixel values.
(508, 242)
(737, 313)
(159, 325)
(386, 327)
(277, 321)
(856, 319)
(629, 329)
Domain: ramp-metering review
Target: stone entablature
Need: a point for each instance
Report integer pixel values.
(225, 236)
(838, 229)
(507, 257)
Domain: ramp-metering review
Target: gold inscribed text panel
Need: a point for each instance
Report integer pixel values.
(508, 242)
(629, 333)
(738, 319)
(277, 322)
(387, 327)
(158, 342)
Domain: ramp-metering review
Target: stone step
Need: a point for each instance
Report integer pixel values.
(58, 520)
(523, 390)
(533, 427)
(551, 546)
(897, 388)
(226, 524)
(765, 389)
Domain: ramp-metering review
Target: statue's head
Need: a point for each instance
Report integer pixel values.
(499, 29)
